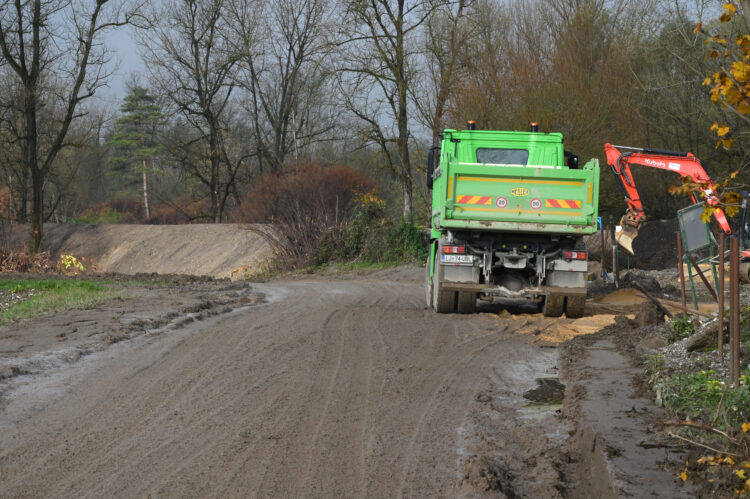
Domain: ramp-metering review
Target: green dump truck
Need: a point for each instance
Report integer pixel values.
(509, 212)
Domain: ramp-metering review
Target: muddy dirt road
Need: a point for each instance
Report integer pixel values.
(322, 388)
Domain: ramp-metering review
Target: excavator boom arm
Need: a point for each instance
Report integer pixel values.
(684, 164)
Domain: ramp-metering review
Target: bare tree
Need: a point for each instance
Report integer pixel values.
(284, 74)
(376, 76)
(53, 51)
(446, 35)
(192, 62)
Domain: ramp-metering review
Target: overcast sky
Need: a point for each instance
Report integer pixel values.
(127, 60)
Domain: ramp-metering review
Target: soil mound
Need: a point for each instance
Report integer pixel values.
(216, 250)
(655, 247)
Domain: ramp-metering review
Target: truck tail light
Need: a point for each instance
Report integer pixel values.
(575, 255)
(458, 250)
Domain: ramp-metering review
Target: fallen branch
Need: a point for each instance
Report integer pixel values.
(701, 426)
(674, 435)
(678, 306)
(656, 302)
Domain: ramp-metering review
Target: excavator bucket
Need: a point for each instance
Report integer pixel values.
(626, 236)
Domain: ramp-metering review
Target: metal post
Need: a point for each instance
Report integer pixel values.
(734, 308)
(721, 297)
(680, 264)
(603, 271)
(702, 276)
(614, 257)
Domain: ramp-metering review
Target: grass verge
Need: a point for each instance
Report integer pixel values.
(51, 295)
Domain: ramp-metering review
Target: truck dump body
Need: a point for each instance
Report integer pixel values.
(509, 211)
(535, 193)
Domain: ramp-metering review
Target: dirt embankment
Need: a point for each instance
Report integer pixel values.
(655, 247)
(217, 250)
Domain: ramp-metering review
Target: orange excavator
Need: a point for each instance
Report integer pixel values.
(619, 159)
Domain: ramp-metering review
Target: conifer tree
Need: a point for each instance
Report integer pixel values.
(134, 141)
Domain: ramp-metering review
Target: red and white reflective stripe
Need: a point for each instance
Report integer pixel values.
(575, 255)
(458, 250)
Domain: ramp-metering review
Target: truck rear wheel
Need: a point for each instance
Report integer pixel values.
(467, 302)
(575, 306)
(443, 301)
(553, 305)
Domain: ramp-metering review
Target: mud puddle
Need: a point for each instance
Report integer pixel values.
(617, 432)
(549, 391)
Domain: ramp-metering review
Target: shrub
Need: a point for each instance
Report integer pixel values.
(682, 327)
(113, 211)
(311, 208)
(180, 210)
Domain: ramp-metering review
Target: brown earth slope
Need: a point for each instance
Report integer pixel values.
(216, 250)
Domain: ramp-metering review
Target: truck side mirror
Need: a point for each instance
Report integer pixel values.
(431, 165)
(571, 160)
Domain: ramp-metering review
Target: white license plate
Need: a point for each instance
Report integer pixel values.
(457, 259)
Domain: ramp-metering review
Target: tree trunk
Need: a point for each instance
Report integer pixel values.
(403, 153)
(31, 158)
(214, 160)
(23, 197)
(145, 192)
(407, 201)
(37, 208)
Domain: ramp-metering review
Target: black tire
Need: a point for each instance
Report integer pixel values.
(466, 302)
(428, 283)
(553, 305)
(745, 272)
(443, 301)
(575, 306)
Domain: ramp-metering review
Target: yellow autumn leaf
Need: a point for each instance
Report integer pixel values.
(683, 476)
(714, 126)
(722, 130)
(697, 28)
(740, 71)
(728, 460)
(726, 143)
(707, 81)
(743, 107)
(741, 474)
(745, 426)
(714, 54)
(730, 8)
(747, 485)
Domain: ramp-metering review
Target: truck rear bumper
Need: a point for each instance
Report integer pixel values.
(525, 227)
(502, 292)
